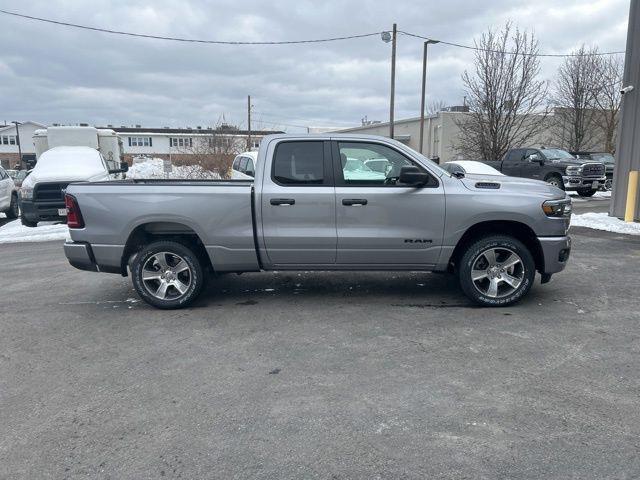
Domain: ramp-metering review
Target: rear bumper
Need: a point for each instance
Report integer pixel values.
(556, 251)
(80, 256)
(41, 211)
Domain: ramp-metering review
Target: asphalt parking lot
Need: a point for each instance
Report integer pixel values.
(321, 375)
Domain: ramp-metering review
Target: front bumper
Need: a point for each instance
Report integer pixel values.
(575, 182)
(41, 211)
(80, 256)
(555, 252)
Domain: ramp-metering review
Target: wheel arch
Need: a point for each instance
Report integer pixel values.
(518, 230)
(153, 231)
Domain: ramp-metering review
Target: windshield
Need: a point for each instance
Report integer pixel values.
(603, 157)
(553, 153)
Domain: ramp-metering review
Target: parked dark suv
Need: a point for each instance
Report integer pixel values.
(555, 166)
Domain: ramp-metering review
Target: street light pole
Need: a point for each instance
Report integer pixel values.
(18, 142)
(393, 78)
(249, 123)
(424, 82)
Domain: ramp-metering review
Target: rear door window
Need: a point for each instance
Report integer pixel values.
(299, 163)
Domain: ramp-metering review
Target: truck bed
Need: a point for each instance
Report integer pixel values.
(219, 212)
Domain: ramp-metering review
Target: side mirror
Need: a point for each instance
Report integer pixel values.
(411, 175)
(535, 158)
(124, 167)
(251, 173)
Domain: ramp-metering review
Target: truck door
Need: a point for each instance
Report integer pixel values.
(512, 164)
(532, 164)
(379, 221)
(298, 204)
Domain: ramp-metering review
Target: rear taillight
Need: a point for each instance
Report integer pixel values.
(74, 217)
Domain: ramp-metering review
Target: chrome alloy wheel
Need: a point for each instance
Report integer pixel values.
(497, 272)
(166, 276)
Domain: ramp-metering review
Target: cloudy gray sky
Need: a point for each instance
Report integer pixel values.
(52, 74)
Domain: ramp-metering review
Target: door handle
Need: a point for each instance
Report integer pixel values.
(350, 202)
(282, 201)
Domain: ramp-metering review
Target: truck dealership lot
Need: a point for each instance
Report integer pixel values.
(321, 375)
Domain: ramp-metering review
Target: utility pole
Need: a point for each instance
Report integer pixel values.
(394, 35)
(248, 123)
(424, 82)
(18, 142)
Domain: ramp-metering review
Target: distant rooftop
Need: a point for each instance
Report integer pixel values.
(222, 129)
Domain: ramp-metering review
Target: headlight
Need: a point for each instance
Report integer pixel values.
(574, 170)
(26, 193)
(557, 208)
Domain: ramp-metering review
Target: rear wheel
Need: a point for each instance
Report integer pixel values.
(496, 271)
(14, 210)
(586, 192)
(167, 275)
(556, 181)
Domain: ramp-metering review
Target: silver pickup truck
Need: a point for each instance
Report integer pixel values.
(323, 202)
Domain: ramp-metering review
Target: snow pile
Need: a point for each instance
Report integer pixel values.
(15, 232)
(602, 221)
(154, 168)
(598, 194)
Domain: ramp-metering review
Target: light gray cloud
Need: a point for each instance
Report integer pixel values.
(56, 74)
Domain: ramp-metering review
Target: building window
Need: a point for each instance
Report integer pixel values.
(140, 142)
(12, 140)
(181, 142)
(5, 140)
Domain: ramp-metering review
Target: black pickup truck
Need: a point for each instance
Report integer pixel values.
(554, 166)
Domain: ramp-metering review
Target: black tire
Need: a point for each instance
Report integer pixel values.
(14, 209)
(28, 223)
(555, 180)
(586, 192)
(503, 246)
(146, 262)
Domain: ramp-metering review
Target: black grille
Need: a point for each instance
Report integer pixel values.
(49, 192)
(593, 170)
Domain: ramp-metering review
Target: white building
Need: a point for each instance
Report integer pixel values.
(167, 142)
(440, 133)
(9, 156)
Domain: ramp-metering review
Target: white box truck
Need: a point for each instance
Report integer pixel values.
(106, 141)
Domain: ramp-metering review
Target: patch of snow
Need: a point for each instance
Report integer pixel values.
(68, 164)
(602, 221)
(15, 232)
(154, 168)
(598, 194)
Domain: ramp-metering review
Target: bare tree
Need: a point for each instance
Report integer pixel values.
(435, 106)
(506, 98)
(209, 153)
(609, 98)
(575, 101)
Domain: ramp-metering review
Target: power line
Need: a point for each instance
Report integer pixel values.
(471, 47)
(287, 42)
(187, 40)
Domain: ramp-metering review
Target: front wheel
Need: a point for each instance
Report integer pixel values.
(586, 192)
(28, 223)
(496, 271)
(556, 181)
(167, 275)
(14, 210)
